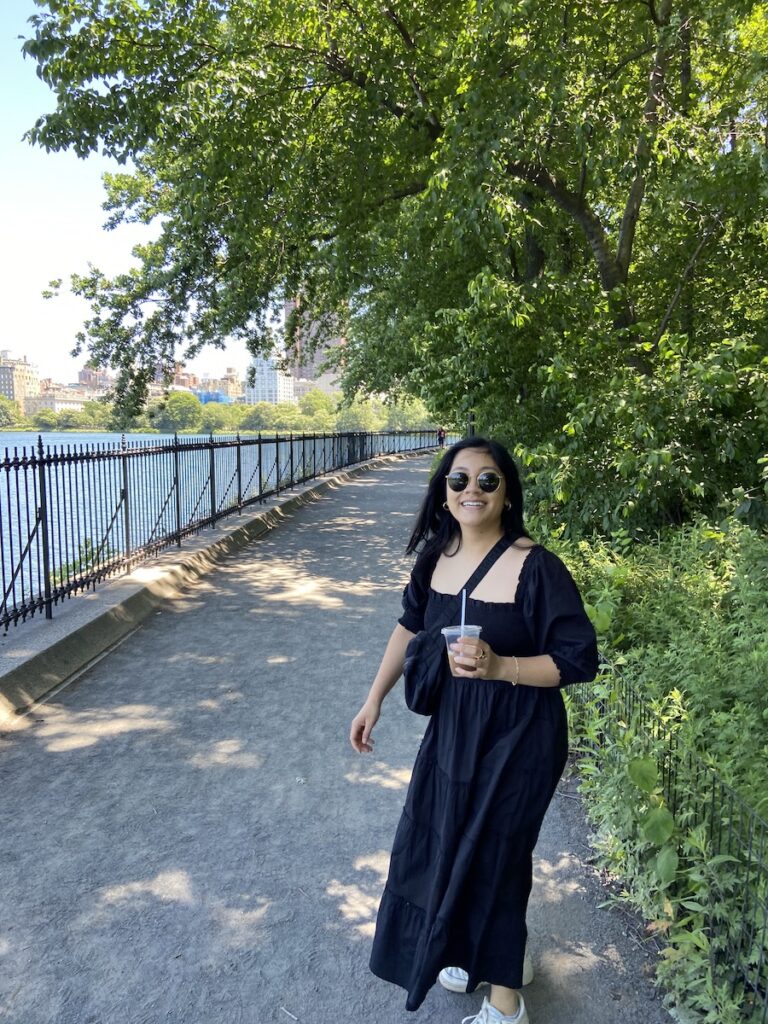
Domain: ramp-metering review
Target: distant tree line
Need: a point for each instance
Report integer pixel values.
(316, 412)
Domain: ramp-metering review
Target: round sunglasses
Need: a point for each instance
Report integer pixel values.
(487, 481)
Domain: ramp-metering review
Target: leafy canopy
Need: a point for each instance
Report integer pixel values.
(551, 214)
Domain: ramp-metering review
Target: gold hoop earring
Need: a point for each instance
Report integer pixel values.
(445, 505)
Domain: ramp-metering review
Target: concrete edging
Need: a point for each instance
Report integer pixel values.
(48, 654)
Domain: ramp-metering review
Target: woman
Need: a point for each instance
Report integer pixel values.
(461, 867)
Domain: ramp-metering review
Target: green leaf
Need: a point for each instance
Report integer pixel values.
(658, 825)
(693, 905)
(644, 773)
(666, 864)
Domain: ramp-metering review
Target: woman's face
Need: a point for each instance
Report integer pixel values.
(475, 507)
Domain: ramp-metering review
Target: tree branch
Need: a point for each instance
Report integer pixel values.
(575, 207)
(335, 62)
(683, 278)
(435, 128)
(643, 148)
(629, 59)
(391, 197)
(400, 27)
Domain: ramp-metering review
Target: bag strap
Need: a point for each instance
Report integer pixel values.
(490, 559)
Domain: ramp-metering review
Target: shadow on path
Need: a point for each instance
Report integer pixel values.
(189, 838)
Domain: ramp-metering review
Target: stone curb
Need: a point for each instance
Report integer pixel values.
(45, 655)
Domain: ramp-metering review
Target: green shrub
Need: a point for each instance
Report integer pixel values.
(689, 613)
(684, 621)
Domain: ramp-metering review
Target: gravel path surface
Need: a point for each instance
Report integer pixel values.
(188, 836)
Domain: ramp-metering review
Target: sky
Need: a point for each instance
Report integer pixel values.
(52, 223)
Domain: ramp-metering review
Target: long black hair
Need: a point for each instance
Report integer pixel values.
(435, 527)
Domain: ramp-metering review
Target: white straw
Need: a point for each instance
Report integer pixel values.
(463, 609)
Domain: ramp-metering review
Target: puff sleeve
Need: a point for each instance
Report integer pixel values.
(416, 594)
(554, 614)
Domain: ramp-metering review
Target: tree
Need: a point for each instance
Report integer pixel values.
(360, 415)
(410, 414)
(180, 411)
(260, 416)
(287, 416)
(551, 214)
(72, 419)
(319, 410)
(215, 416)
(9, 412)
(46, 419)
(99, 414)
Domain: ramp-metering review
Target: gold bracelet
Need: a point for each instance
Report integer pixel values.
(516, 680)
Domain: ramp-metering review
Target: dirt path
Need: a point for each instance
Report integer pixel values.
(188, 837)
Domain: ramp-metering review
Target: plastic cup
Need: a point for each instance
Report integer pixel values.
(452, 634)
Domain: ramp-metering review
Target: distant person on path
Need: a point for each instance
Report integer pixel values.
(461, 869)
(441, 436)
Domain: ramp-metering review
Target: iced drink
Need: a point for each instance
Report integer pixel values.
(452, 634)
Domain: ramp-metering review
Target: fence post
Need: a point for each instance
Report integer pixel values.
(261, 478)
(290, 458)
(43, 514)
(277, 463)
(212, 479)
(177, 485)
(239, 477)
(126, 502)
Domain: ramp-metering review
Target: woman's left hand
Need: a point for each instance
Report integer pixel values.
(475, 659)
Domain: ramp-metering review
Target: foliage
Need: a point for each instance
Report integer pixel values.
(319, 409)
(9, 412)
(408, 414)
(45, 419)
(551, 214)
(88, 557)
(360, 415)
(692, 896)
(683, 619)
(316, 412)
(687, 614)
(179, 411)
(216, 416)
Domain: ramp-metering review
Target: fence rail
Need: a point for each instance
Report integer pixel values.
(72, 515)
(698, 798)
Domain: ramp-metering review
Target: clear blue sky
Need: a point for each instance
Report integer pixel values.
(52, 222)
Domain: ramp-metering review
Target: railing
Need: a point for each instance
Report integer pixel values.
(72, 516)
(737, 928)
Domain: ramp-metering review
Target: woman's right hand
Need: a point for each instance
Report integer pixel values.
(362, 726)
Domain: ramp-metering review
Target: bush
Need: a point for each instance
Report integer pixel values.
(684, 620)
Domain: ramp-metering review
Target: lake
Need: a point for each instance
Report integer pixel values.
(28, 438)
(96, 502)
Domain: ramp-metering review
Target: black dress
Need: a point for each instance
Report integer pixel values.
(461, 866)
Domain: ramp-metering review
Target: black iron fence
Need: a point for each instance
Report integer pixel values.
(735, 836)
(72, 515)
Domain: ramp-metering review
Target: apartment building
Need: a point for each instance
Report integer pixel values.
(19, 379)
(271, 384)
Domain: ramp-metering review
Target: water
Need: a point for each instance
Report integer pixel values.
(28, 439)
(109, 499)
(106, 499)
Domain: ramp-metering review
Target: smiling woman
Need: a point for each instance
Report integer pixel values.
(455, 901)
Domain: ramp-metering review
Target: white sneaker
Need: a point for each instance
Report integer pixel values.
(455, 979)
(490, 1015)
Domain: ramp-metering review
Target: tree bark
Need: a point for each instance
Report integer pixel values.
(644, 141)
(577, 208)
